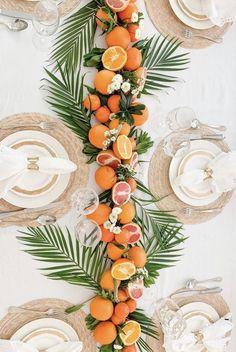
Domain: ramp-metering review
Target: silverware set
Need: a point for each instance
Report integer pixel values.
(190, 35)
(51, 312)
(193, 211)
(43, 125)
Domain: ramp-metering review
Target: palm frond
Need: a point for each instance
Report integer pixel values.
(74, 264)
(159, 56)
(148, 327)
(76, 36)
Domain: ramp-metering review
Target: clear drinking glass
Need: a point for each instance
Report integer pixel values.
(170, 317)
(88, 233)
(85, 201)
(180, 118)
(46, 22)
(176, 142)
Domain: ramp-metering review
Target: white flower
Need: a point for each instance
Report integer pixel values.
(138, 33)
(117, 78)
(109, 89)
(135, 92)
(105, 143)
(113, 218)
(141, 24)
(113, 139)
(126, 87)
(112, 116)
(116, 211)
(115, 85)
(114, 132)
(107, 134)
(112, 227)
(107, 225)
(117, 347)
(117, 230)
(134, 17)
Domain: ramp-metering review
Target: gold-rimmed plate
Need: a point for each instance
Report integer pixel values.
(192, 9)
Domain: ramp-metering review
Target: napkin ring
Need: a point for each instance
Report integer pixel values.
(199, 337)
(209, 172)
(32, 163)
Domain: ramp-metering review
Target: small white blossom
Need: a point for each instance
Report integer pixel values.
(126, 87)
(115, 86)
(112, 116)
(138, 33)
(107, 134)
(116, 211)
(112, 227)
(118, 347)
(135, 92)
(141, 24)
(114, 132)
(134, 17)
(105, 143)
(117, 78)
(113, 139)
(117, 230)
(109, 89)
(107, 225)
(113, 218)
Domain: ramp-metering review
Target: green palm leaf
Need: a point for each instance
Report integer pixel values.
(159, 56)
(76, 36)
(72, 263)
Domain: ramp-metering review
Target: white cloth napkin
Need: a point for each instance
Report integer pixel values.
(219, 11)
(221, 172)
(13, 166)
(213, 338)
(17, 346)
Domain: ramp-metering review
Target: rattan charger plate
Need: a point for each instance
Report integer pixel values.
(168, 24)
(214, 300)
(158, 176)
(14, 321)
(72, 144)
(28, 6)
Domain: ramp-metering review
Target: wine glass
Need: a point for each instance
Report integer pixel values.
(176, 142)
(88, 233)
(180, 118)
(85, 201)
(46, 22)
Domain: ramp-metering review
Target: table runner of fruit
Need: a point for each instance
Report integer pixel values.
(137, 239)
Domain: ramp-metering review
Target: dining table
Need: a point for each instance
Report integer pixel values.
(208, 87)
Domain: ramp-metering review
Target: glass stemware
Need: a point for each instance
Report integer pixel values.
(85, 201)
(46, 22)
(88, 233)
(180, 118)
(176, 142)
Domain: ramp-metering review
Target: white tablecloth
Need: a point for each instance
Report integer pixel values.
(209, 87)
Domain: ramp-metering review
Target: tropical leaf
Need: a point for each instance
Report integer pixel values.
(72, 263)
(148, 327)
(76, 36)
(159, 56)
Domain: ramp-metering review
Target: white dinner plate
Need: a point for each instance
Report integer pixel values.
(193, 9)
(197, 159)
(45, 333)
(58, 188)
(189, 21)
(174, 169)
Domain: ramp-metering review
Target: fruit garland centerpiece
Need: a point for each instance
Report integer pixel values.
(136, 241)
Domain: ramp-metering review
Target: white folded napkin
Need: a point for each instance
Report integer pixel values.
(220, 172)
(219, 11)
(212, 338)
(14, 165)
(17, 346)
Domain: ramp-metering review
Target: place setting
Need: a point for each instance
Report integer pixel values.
(192, 170)
(43, 326)
(197, 23)
(41, 162)
(195, 318)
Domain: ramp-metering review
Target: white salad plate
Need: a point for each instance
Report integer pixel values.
(47, 188)
(187, 19)
(200, 152)
(193, 9)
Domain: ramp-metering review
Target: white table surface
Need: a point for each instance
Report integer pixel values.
(209, 87)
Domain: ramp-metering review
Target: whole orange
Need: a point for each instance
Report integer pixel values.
(101, 308)
(92, 102)
(125, 16)
(117, 320)
(105, 333)
(107, 281)
(122, 295)
(121, 310)
(105, 177)
(138, 256)
(113, 103)
(102, 114)
(122, 237)
(107, 235)
(133, 184)
(101, 214)
(97, 135)
(128, 213)
(131, 303)
(102, 15)
(102, 80)
(125, 129)
(114, 252)
(118, 36)
(134, 59)
(139, 120)
(132, 29)
(131, 348)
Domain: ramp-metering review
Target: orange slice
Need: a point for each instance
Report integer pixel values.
(123, 147)
(114, 58)
(131, 333)
(123, 269)
(117, 5)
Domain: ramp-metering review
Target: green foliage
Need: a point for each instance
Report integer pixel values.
(143, 141)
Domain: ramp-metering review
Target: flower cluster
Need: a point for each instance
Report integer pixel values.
(111, 223)
(119, 83)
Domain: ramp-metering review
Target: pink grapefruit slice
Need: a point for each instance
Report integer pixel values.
(117, 5)
(136, 289)
(133, 161)
(108, 158)
(135, 232)
(121, 193)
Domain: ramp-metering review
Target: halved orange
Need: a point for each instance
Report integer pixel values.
(114, 58)
(123, 269)
(123, 147)
(117, 5)
(131, 333)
